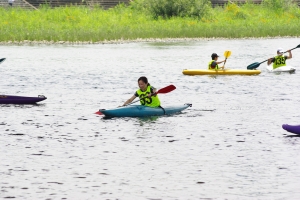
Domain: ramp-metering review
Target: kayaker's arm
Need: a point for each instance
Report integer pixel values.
(220, 62)
(153, 92)
(129, 100)
(290, 54)
(270, 60)
(214, 64)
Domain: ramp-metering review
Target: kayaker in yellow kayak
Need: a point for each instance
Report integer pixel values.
(213, 64)
(146, 93)
(280, 59)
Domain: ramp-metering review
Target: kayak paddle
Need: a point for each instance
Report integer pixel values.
(256, 64)
(164, 90)
(2, 59)
(226, 54)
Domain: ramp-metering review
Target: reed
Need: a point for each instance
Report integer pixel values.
(127, 23)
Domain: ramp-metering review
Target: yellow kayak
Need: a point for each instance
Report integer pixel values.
(220, 72)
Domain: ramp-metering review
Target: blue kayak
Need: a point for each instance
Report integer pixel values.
(143, 111)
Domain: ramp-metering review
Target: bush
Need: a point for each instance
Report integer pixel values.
(174, 8)
(278, 4)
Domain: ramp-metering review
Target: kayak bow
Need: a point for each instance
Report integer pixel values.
(292, 128)
(2, 60)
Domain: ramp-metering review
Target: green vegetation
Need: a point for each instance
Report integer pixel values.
(151, 19)
(173, 8)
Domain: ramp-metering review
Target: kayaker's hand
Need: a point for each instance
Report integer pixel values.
(269, 61)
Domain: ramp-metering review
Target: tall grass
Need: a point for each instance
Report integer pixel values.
(136, 21)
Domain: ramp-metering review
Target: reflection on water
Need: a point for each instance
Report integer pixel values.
(229, 145)
(148, 119)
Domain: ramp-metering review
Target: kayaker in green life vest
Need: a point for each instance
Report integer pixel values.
(213, 64)
(146, 93)
(280, 59)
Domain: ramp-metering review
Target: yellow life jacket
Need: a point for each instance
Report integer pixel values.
(279, 61)
(152, 101)
(210, 67)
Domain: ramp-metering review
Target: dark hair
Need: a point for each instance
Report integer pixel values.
(214, 55)
(144, 79)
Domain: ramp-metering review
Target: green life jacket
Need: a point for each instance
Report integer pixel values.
(210, 67)
(152, 101)
(279, 61)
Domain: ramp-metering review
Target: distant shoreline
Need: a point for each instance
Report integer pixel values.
(78, 25)
(122, 41)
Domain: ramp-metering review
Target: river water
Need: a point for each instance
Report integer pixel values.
(228, 145)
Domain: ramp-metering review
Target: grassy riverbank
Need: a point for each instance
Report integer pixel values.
(86, 24)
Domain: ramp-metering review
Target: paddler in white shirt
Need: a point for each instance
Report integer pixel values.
(280, 59)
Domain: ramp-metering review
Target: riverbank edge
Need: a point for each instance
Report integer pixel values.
(123, 41)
